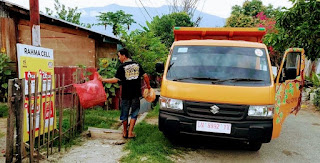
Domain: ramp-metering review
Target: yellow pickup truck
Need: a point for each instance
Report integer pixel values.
(219, 83)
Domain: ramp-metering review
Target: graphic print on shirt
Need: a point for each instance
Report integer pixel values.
(131, 71)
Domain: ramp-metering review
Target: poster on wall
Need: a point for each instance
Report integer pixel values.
(38, 62)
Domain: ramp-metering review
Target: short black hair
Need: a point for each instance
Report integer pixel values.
(125, 52)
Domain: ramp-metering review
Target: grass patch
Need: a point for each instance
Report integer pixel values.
(101, 118)
(2, 134)
(149, 146)
(96, 117)
(154, 112)
(3, 110)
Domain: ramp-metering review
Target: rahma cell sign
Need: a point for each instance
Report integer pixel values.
(38, 62)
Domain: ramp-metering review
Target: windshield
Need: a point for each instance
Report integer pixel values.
(219, 65)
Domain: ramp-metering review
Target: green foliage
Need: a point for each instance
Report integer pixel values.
(5, 74)
(150, 144)
(145, 48)
(316, 101)
(71, 14)
(115, 19)
(107, 69)
(298, 27)
(3, 110)
(155, 112)
(84, 72)
(314, 79)
(162, 27)
(246, 15)
(241, 20)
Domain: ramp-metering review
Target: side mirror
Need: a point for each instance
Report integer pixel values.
(159, 67)
(274, 71)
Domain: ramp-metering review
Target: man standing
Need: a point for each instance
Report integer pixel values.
(129, 74)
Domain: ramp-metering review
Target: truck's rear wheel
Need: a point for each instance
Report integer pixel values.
(254, 146)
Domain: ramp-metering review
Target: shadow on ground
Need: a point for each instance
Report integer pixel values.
(198, 142)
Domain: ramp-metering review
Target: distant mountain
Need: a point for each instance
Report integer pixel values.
(140, 16)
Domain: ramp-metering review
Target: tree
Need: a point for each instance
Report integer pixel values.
(246, 15)
(255, 14)
(145, 49)
(71, 14)
(298, 27)
(162, 27)
(115, 19)
(186, 6)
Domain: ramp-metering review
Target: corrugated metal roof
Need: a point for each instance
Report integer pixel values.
(10, 4)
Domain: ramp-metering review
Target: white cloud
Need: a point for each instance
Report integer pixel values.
(83, 13)
(94, 13)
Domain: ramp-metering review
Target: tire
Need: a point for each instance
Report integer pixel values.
(254, 146)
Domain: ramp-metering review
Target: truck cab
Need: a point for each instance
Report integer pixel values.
(218, 82)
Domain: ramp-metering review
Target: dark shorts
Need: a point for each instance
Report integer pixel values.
(134, 104)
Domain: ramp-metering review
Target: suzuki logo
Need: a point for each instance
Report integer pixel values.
(214, 109)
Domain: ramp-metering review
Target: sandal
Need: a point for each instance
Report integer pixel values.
(132, 137)
(125, 135)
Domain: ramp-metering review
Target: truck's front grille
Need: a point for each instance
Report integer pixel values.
(224, 111)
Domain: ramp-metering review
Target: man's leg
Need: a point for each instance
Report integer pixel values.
(134, 115)
(125, 129)
(125, 106)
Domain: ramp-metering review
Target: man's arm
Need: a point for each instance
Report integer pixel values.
(108, 80)
(146, 79)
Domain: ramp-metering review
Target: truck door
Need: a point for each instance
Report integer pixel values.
(289, 84)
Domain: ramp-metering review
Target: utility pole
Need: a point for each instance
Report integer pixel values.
(35, 40)
(35, 22)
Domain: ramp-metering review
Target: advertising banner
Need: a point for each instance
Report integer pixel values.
(38, 62)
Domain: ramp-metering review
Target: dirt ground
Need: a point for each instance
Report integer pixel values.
(95, 149)
(3, 131)
(92, 150)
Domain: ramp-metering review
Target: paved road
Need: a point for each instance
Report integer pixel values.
(299, 142)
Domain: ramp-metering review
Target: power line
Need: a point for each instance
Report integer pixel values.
(145, 9)
(201, 10)
(141, 11)
(154, 8)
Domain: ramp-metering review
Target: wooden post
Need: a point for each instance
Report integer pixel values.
(35, 22)
(61, 114)
(50, 104)
(32, 131)
(79, 113)
(41, 116)
(20, 109)
(45, 111)
(55, 108)
(30, 120)
(10, 123)
(72, 105)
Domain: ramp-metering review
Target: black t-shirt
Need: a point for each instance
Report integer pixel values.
(130, 73)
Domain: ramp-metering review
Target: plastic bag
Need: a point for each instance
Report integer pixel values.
(149, 95)
(91, 93)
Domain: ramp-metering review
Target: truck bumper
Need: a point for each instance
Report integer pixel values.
(247, 130)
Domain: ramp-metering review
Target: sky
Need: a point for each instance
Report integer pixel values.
(221, 8)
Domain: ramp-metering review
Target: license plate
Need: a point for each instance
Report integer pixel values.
(213, 127)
